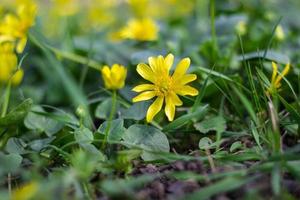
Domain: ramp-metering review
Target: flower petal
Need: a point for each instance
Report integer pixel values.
(275, 71)
(169, 59)
(181, 68)
(154, 108)
(169, 108)
(175, 99)
(143, 87)
(152, 62)
(188, 78)
(281, 75)
(187, 90)
(144, 96)
(146, 72)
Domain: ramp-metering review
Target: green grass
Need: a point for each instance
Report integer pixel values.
(62, 130)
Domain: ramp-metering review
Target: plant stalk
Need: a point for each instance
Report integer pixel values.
(112, 113)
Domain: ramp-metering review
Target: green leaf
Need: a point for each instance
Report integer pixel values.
(41, 123)
(137, 111)
(83, 136)
(214, 73)
(217, 124)
(205, 143)
(122, 187)
(248, 105)
(236, 145)
(9, 162)
(15, 145)
(103, 109)
(276, 179)
(38, 145)
(224, 185)
(181, 121)
(271, 55)
(116, 130)
(151, 140)
(16, 115)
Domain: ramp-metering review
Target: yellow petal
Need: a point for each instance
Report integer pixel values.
(187, 90)
(143, 87)
(188, 78)
(181, 68)
(175, 99)
(280, 76)
(154, 108)
(26, 191)
(118, 76)
(17, 77)
(106, 76)
(169, 108)
(153, 63)
(146, 72)
(286, 69)
(275, 71)
(169, 61)
(21, 45)
(144, 96)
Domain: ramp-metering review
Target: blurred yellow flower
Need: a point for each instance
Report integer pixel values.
(276, 78)
(279, 33)
(114, 77)
(159, 9)
(15, 27)
(65, 7)
(163, 86)
(139, 7)
(241, 27)
(100, 13)
(25, 192)
(140, 29)
(8, 65)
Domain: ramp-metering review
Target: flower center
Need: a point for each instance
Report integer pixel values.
(164, 85)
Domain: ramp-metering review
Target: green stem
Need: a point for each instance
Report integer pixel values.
(112, 113)
(6, 99)
(212, 20)
(213, 28)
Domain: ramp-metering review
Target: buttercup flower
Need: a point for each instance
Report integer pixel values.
(164, 86)
(114, 78)
(276, 78)
(279, 33)
(140, 29)
(15, 27)
(25, 192)
(8, 65)
(65, 7)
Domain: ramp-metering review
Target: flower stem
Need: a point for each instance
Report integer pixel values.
(6, 99)
(212, 20)
(112, 113)
(213, 28)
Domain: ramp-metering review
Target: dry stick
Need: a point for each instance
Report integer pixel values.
(210, 161)
(9, 183)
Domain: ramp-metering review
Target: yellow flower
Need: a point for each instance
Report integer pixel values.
(279, 33)
(8, 65)
(164, 86)
(139, 7)
(241, 27)
(100, 14)
(65, 7)
(140, 29)
(276, 78)
(15, 27)
(114, 78)
(25, 192)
